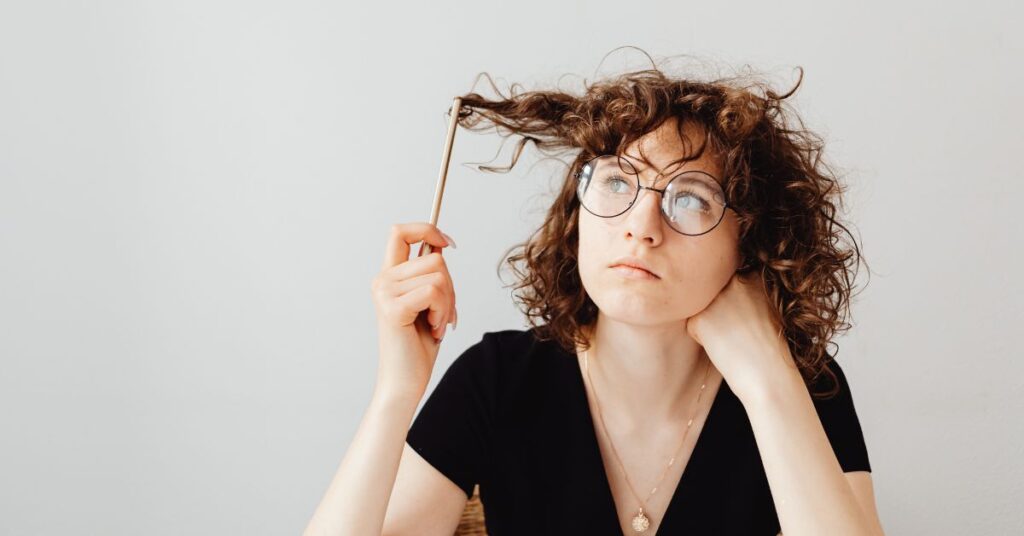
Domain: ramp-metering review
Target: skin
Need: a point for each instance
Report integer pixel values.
(648, 355)
(648, 318)
(384, 487)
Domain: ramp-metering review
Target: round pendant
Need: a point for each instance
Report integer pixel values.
(640, 522)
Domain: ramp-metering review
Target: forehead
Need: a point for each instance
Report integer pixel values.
(664, 147)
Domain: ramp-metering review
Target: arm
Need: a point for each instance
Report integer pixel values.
(383, 486)
(357, 498)
(812, 494)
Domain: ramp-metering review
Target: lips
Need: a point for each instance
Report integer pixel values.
(633, 272)
(634, 262)
(637, 267)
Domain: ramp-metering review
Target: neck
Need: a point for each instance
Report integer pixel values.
(645, 375)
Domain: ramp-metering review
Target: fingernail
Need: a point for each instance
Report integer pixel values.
(449, 239)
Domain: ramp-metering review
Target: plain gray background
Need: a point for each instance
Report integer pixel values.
(194, 197)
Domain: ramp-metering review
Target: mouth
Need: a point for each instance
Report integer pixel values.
(633, 272)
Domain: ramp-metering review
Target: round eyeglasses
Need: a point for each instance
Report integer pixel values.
(693, 202)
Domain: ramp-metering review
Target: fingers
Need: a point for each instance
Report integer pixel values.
(424, 297)
(402, 281)
(413, 268)
(404, 234)
(441, 280)
(417, 266)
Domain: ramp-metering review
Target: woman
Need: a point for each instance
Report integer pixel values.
(689, 278)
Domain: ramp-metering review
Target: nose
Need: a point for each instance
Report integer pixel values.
(643, 219)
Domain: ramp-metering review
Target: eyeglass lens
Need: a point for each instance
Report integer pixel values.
(693, 201)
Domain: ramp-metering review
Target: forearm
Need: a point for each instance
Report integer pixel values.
(811, 494)
(356, 500)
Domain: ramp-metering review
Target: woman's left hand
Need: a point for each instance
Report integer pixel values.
(740, 333)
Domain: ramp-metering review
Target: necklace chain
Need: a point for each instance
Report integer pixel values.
(640, 521)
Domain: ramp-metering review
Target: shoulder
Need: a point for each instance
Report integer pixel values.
(831, 383)
(494, 355)
(506, 365)
(510, 351)
(834, 404)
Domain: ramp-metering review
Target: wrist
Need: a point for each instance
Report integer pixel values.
(779, 382)
(397, 396)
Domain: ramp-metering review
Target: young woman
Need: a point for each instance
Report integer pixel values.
(688, 279)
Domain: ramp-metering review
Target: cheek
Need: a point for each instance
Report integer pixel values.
(703, 266)
(589, 246)
(730, 240)
(593, 255)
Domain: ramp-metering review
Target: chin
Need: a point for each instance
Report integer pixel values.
(627, 305)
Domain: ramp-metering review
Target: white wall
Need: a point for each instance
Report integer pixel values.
(194, 197)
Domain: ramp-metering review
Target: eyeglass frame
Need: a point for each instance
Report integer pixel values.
(725, 202)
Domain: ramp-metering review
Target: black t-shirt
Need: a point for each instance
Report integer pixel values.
(511, 415)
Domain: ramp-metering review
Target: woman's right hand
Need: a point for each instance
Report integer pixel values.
(401, 291)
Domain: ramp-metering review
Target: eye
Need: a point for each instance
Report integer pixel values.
(613, 183)
(689, 200)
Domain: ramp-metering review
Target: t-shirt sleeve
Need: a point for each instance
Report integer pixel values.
(452, 430)
(839, 419)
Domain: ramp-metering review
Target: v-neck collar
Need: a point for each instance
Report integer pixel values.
(668, 522)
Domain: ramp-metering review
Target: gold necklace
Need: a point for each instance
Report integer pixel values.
(640, 521)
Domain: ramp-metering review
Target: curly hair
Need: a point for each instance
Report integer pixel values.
(784, 195)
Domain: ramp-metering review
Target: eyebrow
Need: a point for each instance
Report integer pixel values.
(671, 174)
(640, 169)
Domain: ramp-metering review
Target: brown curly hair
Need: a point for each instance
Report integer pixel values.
(774, 177)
